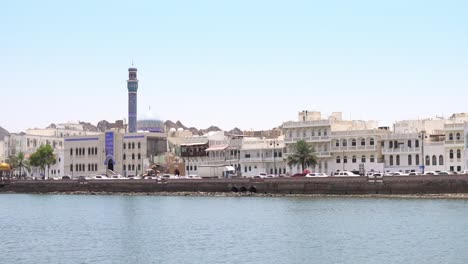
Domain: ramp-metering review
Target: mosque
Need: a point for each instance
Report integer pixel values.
(112, 152)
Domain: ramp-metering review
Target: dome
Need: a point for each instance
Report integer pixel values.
(4, 166)
(149, 123)
(180, 129)
(172, 129)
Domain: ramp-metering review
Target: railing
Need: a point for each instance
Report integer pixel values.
(400, 150)
(315, 138)
(354, 148)
(264, 159)
(455, 142)
(401, 136)
(360, 133)
(452, 127)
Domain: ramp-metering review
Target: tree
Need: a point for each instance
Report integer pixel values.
(43, 157)
(22, 163)
(303, 154)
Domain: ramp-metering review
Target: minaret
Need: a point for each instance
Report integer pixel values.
(132, 85)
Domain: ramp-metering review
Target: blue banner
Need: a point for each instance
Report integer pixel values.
(110, 144)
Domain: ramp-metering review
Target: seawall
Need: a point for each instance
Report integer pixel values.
(427, 184)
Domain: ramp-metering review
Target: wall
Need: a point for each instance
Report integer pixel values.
(331, 185)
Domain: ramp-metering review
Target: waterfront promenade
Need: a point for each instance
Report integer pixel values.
(425, 184)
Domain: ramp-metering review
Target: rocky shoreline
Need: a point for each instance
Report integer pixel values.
(250, 194)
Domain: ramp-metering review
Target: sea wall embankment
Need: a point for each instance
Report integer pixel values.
(427, 184)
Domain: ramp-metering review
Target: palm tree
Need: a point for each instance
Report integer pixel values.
(22, 163)
(303, 154)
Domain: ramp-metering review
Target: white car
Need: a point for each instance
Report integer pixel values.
(100, 177)
(431, 173)
(398, 174)
(414, 173)
(316, 174)
(345, 173)
(465, 172)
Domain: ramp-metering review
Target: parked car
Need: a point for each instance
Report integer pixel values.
(100, 177)
(345, 173)
(414, 173)
(465, 172)
(443, 173)
(398, 174)
(66, 177)
(431, 173)
(316, 174)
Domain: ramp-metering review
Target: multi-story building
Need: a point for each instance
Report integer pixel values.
(126, 154)
(260, 155)
(455, 146)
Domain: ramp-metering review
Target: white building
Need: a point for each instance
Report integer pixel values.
(126, 154)
(259, 155)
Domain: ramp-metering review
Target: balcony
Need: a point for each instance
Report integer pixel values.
(308, 139)
(264, 159)
(354, 148)
(401, 150)
(455, 142)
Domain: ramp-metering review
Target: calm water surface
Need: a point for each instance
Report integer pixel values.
(150, 229)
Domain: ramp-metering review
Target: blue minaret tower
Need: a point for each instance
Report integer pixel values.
(132, 85)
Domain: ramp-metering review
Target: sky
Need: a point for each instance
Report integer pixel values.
(247, 64)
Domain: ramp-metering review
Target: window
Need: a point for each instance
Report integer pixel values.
(245, 169)
(139, 167)
(89, 151)
(133, 156)
(313, 133)
(338, 159)
(124, 145)
(452, 168)
(416, 143)
(139, 145)
(458, 136)
(95, 151)
(363, 142)
(187, 168)
(417, 159)
(353, 159)
(133, 166)
(337, 143)
(195, 167)
(390, 144)
(89, 167)
(247, 155)
(363, 159)
(441, 160)
(71, 167)
(372, 159)
(458, 154)
(458, 168)
(398, 160)
(124, 156)
(345, 143)
(434, 160)
(409, 143)
(410, 160)
(325, 132)
(71, 152)
(451, 154)
(391, 160)
(428, 160)
(124, 167)
(345, 159)
(371, 142)
(304, 134)
(319, 133)
(250, 168)
(450, 136)
(353, 142)
(76, 167)
(139, 156)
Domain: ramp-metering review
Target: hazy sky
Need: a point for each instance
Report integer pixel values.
(250, 64)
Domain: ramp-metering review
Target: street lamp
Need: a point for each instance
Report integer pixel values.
(423, 159)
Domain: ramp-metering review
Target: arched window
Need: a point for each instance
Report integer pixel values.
(353, 142)
(416, 143)
(124, 145)
(124, 167)
(441, 160)
(398, 160)
(124, 156)
(390, 144)
(409, 143)
(391, 160)
(434, 160)
(133, 145)
(338, 159)
(417, 159)
(372, 159)
(133, 166)
(458, 154)
(337, 143)
(363, 142)
(71, 152)
(410, 160)
(353, 159)
(458, 136)
(371, 142)
(450, 136)
(363, 158)
(133, 156)
(344, 143)
(428, 160)
(345, 159)
(139, 156)
(320, 133)
(451, 154)
(139, 145)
